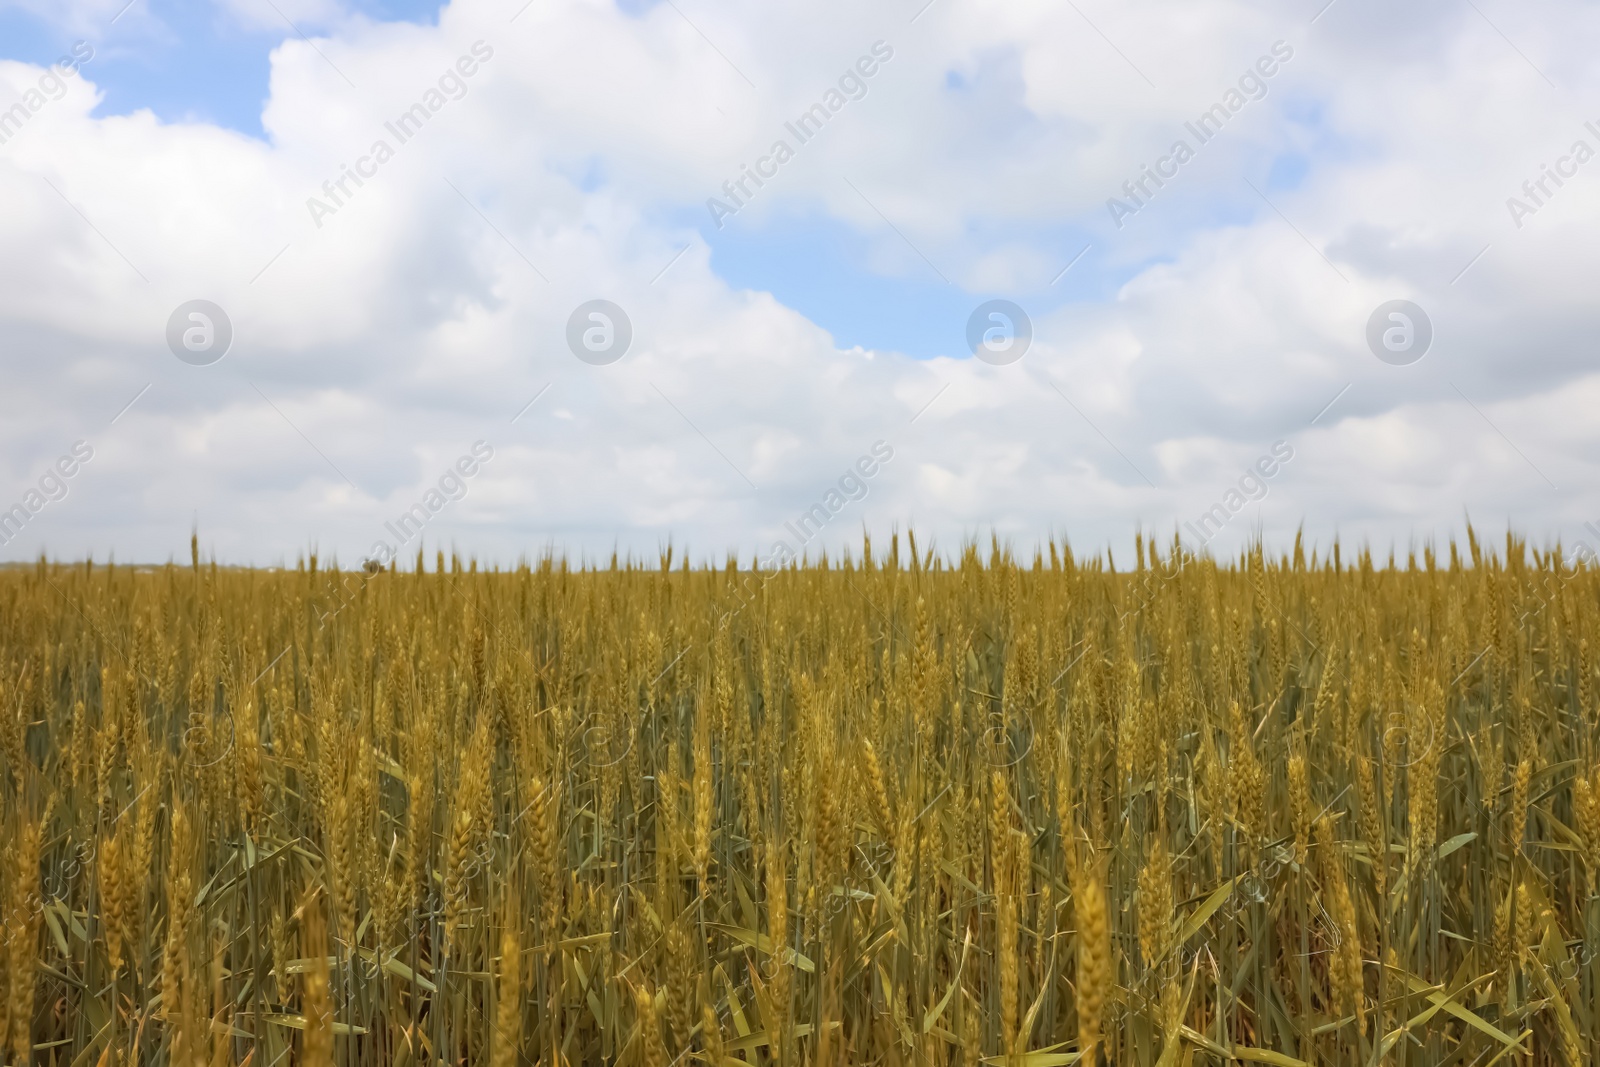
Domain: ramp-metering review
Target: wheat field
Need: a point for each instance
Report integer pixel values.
(891, 808)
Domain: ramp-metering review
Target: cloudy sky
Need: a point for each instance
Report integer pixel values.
(1173, 319)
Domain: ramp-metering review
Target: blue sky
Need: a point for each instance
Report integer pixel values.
(186, 60)
(373, 345)
(194, 62)
(817, 265)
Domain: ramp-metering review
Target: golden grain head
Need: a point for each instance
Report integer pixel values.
(931, 813)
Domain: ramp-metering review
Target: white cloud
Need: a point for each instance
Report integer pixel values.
(428, 310)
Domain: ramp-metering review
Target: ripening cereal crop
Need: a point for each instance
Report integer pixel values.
(891, 809)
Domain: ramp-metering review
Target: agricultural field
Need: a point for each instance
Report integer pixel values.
(886, 809)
